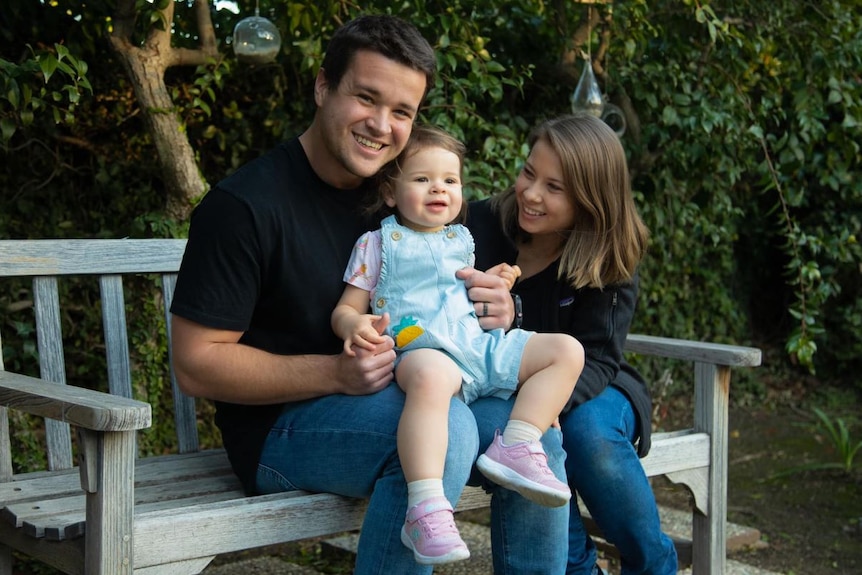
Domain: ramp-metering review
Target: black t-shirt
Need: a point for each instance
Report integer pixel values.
(266, 254)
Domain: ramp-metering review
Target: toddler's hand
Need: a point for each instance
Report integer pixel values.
(509, 273)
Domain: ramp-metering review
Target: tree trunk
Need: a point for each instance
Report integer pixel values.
(146, 67)
(182, 178)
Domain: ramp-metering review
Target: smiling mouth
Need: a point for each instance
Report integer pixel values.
(368, 143)
(530, 212)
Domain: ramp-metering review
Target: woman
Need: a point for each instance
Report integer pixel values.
(571, 225)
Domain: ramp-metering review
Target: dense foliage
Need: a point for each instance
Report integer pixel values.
(743, 136)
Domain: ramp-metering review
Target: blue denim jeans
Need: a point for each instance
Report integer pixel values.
(603, 468)
(347, 445)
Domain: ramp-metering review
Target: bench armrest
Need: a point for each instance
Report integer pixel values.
(78, 406)
(714, 353)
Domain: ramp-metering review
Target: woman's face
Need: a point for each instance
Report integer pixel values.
(544, 204)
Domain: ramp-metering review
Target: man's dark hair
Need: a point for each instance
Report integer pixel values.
(386, 35)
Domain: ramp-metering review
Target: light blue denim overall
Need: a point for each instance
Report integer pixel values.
(429, 308)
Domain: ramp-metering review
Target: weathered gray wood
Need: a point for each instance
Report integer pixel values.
(70, 508)
(711, 403)
(52, 367)
(720, 354)
(6, 455)
(185, 415)
(109, 543)
(116, 336)
(67, 557)
(697, 482)
(172, 535)
(670, 454)
(257, 521)
(88, 470)
(24, 258)
(84, 407)
(151, 471)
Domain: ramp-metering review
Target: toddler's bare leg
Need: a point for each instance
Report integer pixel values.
(429, 378)
(550, 367)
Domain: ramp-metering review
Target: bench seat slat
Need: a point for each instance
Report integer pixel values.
(676, 452)
(178, 493)
(258, 521)
(64, 517)
(72, 524)
(160, 470)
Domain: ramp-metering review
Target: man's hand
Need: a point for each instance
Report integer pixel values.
(490, 296)
(368, 369)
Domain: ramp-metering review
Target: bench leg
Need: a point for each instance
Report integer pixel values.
(108, 477)
(709, 529)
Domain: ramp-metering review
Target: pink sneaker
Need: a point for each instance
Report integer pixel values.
(430, 532)
(523, 467)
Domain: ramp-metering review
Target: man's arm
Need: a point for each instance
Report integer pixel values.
(212, 363)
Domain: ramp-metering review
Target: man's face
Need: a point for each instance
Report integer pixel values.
(366, 121)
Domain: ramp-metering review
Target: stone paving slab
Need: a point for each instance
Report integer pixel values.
(260, 566)
(678, 523)
(477, 537)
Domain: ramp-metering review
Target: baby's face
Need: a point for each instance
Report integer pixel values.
(428, 192)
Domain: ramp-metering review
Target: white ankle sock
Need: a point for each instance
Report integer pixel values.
(422, 489)
(519, 432)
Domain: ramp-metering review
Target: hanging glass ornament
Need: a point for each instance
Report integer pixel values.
(256, 40)
(587, 96)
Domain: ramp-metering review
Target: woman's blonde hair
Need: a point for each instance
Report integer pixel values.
(608, 239)
(421, 138)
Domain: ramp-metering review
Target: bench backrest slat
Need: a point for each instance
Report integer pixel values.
(185, 415)
(116, 335)
(5, 454)
(52, 365)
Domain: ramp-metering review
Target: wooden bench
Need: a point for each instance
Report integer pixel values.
(112, 512)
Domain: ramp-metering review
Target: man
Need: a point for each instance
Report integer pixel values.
(261, 274)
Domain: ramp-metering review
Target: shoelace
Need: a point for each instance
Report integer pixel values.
(541, 458)
(446, 527)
